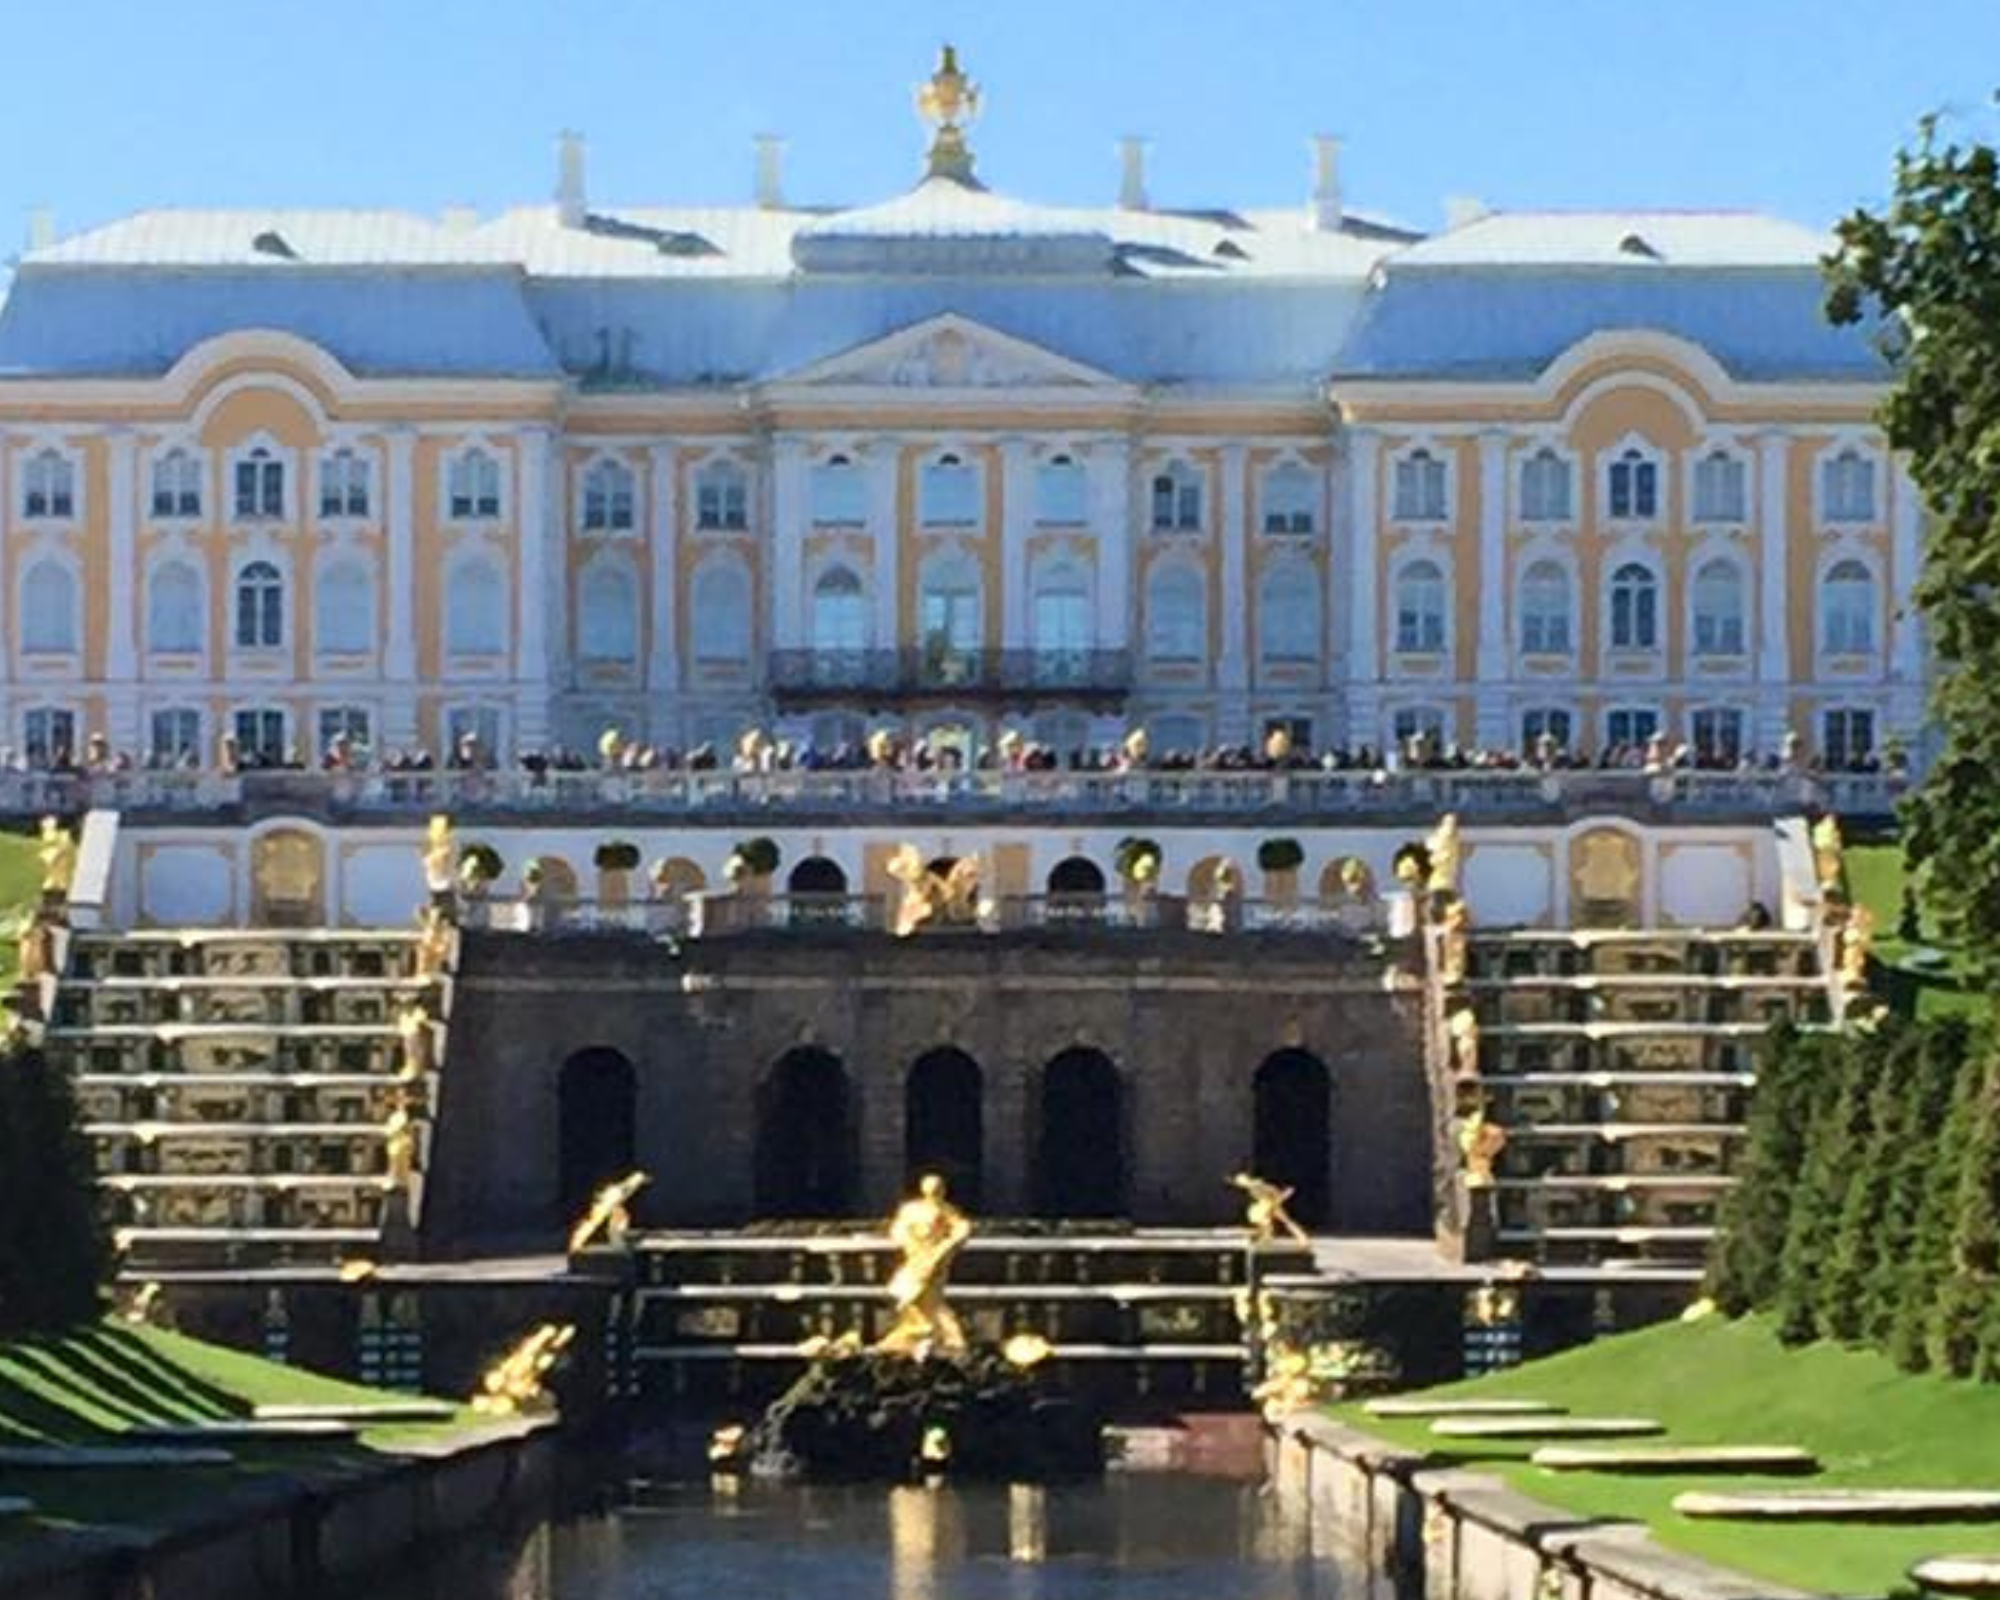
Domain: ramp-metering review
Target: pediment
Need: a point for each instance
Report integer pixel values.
(949, 352)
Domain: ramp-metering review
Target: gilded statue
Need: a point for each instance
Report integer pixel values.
(58, 856)
(1453, 942)
(1265, 1212)
(1356, 881)
(1278, 746)
(1443, 845)
(517, 1381)
(1461, 1030)
(1137, 747)
(1857, 937)
(1827, 846)
(951, 896)
(433, 942)
(440, 856)
(929, 1230)
(610, 1214)
(399, 1144)
(1480, 1142)
(948, 100)
(418, 1038)
(33, 949)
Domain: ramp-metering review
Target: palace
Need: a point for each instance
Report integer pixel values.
(949, 463)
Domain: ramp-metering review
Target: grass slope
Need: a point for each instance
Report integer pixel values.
(20, 887)
(1721, 1382)
(1933, 976)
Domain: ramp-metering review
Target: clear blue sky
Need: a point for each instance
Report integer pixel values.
(1789, 105)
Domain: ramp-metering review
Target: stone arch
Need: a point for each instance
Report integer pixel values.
(805, 1155)
(676, 876)
(1080, 1155)
(1076, 876)
(597, 1114)
(288, 879)
(944, 1121)
(817, 875)
(1292, 1131)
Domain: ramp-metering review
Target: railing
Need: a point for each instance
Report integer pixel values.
(926, 671)
(1301, 794)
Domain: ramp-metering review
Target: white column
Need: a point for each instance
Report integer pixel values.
(1017, 524)
(1364, 658)
(400, 654)
(1905, 563)
(120, 654)
(1774, 670)
(1233, 670)
(1110, 473)
(884, 541)
(1491, 677)
(540, 589)
(791, 510)
(664, 543)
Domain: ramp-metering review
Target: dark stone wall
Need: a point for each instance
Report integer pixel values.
(1186, 1018)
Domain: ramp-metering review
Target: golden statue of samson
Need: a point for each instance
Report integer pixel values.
(929, 1230)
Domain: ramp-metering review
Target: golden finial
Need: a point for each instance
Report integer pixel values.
(948, 100)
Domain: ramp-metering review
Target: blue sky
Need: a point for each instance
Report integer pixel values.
(1779, 104)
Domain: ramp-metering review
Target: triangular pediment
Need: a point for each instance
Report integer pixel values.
(949, 352)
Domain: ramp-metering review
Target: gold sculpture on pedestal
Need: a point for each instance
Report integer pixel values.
(1453, 925)
(1461, 1030)
(433, 942)
(948, 100)
(1265, 1213)
(1857, 937)
(418, 1037)
(516, 1382)
(930, 896)
(1444, 851)
(929, 1230)
(1827, 846)
(610, 1213)
(399, 1144)
(440, 856)
(1480, 1143)
(57, 850)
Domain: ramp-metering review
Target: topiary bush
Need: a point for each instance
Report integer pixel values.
(1280, 855)
(617, 855)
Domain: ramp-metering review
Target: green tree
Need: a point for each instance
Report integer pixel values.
(1834, 1141)
(1894, 1059)
(1792, 1071)
(1925, 1103)
(1971, 1281)
(54, 1256)
(1928, 1260)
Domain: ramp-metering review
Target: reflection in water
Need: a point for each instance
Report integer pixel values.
(1137, 1537)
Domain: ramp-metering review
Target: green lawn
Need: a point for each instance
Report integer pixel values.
(1932, 974)
(1721, 1382)
(20, 887)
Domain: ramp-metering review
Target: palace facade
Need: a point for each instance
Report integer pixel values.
(953, 461)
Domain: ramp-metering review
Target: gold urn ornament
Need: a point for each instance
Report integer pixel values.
(948, 100)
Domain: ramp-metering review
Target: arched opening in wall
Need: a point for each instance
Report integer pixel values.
(944, 1122)
(1075, 890)
(805, 1137)
(558, 881)
(1292, 1132)
(1079, 1165)
(1208, 878)
(597, 1114)
(816, 892)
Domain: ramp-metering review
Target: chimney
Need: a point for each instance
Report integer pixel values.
(570, 203)
(1132, 174)
(41, 227)
(770, 184)
(1462, 210)
(1326, 212)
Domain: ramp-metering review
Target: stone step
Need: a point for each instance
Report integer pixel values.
(360, 1413)
(1977, 1577)
(97, 1458)
(1547, 1427)
(244, 1431)
(1846, 1505)
(1744, 1458)
(1418, 1406)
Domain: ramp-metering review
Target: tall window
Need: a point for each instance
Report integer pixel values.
(176, 485)
(260, 735)
(1718, 609)
(1545, 610)
(48, 609)
(839, 612)
(48, 485)
(173, 609)
(608, 497)
(839, 494)
(1545, 487)
(260, 487)
(1417, 722)
(1420, 602)
(1721, 488)
(948, 493)
(1288, 614)
(475, 609)
(1177, 499)
(1060, 618)
(472, 486)
(1630, 725)
(1847, 738)
(1718, 735)
(1635, 608)
(1420, 488)
(1847, 487)
(608, 614)
(344, 609)
(1635, 487)
(343, 485)
(351, 723)
(1290, 496)
(721, 497)
(176, 737)
(1847, 610)
(1061, 496)
(948, 609)
(1553, 722)
(51, 735)
(480, 724)
(721, 613)
(260, 607)
(1176, 615)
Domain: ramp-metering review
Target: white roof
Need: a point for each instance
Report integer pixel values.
(1621, 238)
(231, 238)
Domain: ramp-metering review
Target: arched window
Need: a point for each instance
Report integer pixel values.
(1545, 487)
(1176, 615)
(1420, 488)
(1061, 620)
(1288, 614)
(48, 609)
(1290, 499)
(475, 609)
(721, 497)
(473, 486)
(1718, 608)
(839, 612)
(173, 609)
(1635, 608)
(1545, 610)
(948, 494)
(608, 497)
(721, 599)
(1847, 487)
(260, 607)
(343, 485)
(260, 487)
(839, 496)
(1420, 603)
(608, 613)
(948, 609)
(176, 485)
(1847, 610)
(1177, 499)
(1721, 491)
(48, 485)
(1635, 487)
(344, 610)
(1061, 495)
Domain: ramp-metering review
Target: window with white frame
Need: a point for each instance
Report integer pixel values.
(1717, 735)
(608, 614)
(948, 493)
(1410, 724)
(1420, 609)
(1290, 497)
(176, 485)
(49, 735)
(1176, 499)
(475, 609)
(1847, 487)
(1059, 610)
(260, 736)
(176, 737)
(1553, 723)
(472, 486)
(1061, 494)
(474, 730)
(349, 723)
(1847, 738)
(840, 621)
(1634, 487)
(344, 609)
(1178, 734)
(48, 609)
(1635, 608)
(260, 607)
(1847, 609)
(609, 498)
(1721, 488)
(1288, 614)
(721, 497)
(1422, 491)
(1718, 608)
(721, 599)
(948, 606)
(1630, 726)
(1176, 614)
(259, 479)
(343, 485)
(1546, 494)
(839, 493)
(173, 609)
(1546, 627)
(48, 485)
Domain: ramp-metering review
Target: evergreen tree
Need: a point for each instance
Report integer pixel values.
(1743, 1273)
(1893, 1059)
(1928, 1260)
(1925, 1104)
(1835, 1135)
(1971, 1279)
(54, 1255)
